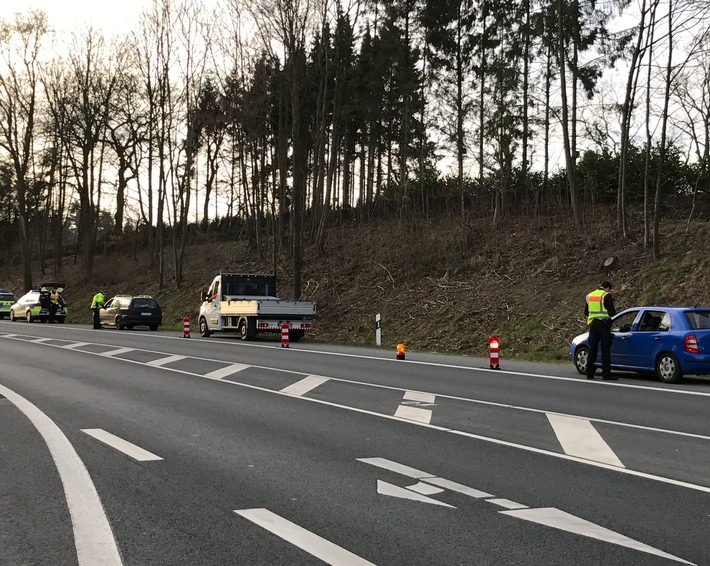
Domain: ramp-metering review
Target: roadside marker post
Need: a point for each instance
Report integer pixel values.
(284, 334)
(378, 329)
(493, 350)
(186, 327)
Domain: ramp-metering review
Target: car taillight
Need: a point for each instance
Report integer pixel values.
(37, 305)
(690, 344)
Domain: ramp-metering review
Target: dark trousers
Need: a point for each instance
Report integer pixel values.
(600, 334)
(53, 311)
(97, 320)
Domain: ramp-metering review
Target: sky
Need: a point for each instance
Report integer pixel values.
(66, 16)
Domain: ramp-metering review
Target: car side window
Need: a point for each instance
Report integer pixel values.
(665, 324)
(651, 320)
(623, 322)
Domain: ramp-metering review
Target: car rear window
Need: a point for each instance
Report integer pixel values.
(698, 320)
(7, 297)
(145, 303)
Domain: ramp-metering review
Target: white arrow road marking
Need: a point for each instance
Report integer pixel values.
(116, 352)
(93, 537)
(304, 385)
(459, 488)
(128, 448)
(166, 360)
(425, 488)
(384, 488)
(578, 437)
(225, 371)
(303, 539)
(507, 503)
(557, 519)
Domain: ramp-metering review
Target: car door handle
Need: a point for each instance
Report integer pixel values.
(658, 338)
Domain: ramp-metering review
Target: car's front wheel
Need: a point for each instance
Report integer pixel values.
(204, 329)
(581, 359)
(28, 316)
(668, 369)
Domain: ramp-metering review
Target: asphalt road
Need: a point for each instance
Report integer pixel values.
(142, 448)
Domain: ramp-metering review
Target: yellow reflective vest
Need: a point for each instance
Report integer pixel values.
(98, 301)
(595, 305)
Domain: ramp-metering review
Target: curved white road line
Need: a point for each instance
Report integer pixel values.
(93, 537)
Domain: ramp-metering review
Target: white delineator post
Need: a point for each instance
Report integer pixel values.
(378, 330)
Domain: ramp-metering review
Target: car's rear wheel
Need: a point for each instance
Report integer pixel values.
(28, 316)
(153, 327)
(668, 369)
(204, 329)
(119, 323)
(581, 359)
(295, 335)
(61, 319)
(13, 318)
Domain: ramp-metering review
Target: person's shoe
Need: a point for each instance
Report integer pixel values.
(610, 378)
(590, 377)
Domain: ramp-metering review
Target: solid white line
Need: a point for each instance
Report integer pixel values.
(459, 488)
(117, 351)
(413, 414)
(167, 360)
(225, 371)
(41, 340)
(419, 396)
(93, 538)
(305, 385)
(75, 345)
(579, 438)
(128, 448)
(670, 481)
(303, 539)
(552, 517)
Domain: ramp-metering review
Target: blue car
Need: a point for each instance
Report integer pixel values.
(667, 341)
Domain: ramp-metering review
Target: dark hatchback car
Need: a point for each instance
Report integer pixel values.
(127, 311)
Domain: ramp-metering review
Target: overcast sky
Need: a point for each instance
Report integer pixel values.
(111, 16)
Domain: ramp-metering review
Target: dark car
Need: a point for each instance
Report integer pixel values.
(127, 311)
(667, 341)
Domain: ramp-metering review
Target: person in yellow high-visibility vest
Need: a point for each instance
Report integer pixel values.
(97, 304)
(599, 308)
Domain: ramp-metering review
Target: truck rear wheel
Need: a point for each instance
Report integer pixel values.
(204, 329)
(247, 328)
(295, 335)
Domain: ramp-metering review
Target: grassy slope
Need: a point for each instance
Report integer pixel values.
(441, 285)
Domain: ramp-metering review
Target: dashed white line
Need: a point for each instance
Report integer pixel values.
(304, 385)
(385, 488)
(419, 396)
(506, 503)
(128, 448)
(413, 414)
(579, 438)
(75, 345)
(226, 371)
(117, 351)
(298, 536)
(167, 360)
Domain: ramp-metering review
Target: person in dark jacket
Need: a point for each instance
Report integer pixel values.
(599, 308)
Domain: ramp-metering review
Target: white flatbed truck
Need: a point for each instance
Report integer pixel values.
(247, 304)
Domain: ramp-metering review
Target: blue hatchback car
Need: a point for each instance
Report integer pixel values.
(670, 341)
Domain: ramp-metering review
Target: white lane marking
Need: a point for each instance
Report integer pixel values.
(304, 385)
(552, 517)
(41, 340)
(8, 335)
(167, 360)
(506, 503)
(384, 488)
(386, 464)
(117, 351)
(413, 414)
(75, 345)
(419, 396)
(128, 448)
(425, 489)
(579, 438)
(225, 371)
(459, 488)
(635, 473)
(93, 538)
(302, 538)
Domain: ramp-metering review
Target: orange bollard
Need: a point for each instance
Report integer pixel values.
(284, 334)
(493, 350)
(186, 327)
(400, 351)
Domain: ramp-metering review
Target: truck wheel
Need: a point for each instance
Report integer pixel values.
(204, 329)
(247, 328)
(295, 335)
